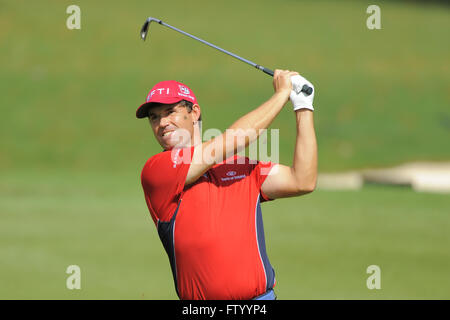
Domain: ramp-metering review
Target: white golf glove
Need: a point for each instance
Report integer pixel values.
(299, 99)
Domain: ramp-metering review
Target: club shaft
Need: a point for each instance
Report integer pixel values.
(306, 89)
(269, 72)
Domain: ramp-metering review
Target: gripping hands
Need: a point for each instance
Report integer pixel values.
(291, 83)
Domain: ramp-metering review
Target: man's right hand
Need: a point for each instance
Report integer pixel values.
(282, 81)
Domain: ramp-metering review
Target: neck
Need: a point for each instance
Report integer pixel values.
(197, 135)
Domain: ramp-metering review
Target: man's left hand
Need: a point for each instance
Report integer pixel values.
(299, 99)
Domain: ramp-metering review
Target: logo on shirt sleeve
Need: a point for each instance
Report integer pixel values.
(176, 158)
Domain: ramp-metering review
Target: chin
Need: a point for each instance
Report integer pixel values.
(170, 147)
(167, 146)
(172, 143)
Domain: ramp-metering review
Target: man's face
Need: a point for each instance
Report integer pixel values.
(172, 124)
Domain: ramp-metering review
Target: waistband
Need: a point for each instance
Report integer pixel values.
(269, 295)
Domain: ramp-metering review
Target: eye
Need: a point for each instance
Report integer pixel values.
(169, 111)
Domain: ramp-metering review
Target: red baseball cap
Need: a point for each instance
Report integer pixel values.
(167, 92)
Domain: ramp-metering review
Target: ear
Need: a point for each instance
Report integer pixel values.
(196, 112)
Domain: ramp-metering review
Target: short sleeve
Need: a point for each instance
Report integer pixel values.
(163, 178)
(262, 170)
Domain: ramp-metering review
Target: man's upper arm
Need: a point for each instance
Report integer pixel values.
(281, 183)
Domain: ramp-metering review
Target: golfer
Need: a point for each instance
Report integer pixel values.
(205, 200)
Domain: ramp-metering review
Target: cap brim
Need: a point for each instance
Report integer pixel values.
(142, 111)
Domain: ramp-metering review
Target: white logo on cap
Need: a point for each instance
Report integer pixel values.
(184, 90)
(160, 91)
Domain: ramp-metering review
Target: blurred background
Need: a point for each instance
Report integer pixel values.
(72, 150)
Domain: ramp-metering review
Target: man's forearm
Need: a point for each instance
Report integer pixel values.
(247, 128)
(305, 153)
(262, 117)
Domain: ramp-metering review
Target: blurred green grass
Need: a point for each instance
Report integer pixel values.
(69, 96)
(320, 245)
(72, 150)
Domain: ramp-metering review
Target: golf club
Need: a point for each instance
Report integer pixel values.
(144, 30)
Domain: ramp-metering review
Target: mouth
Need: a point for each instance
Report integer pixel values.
(166, 134)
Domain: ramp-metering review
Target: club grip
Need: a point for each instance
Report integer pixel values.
(306, 89)
(268, 71)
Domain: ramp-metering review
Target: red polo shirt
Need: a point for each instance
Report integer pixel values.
(212, 230)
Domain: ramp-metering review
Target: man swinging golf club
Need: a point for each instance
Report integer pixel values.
(205, 201)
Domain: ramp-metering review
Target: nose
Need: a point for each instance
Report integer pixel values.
(164, 121)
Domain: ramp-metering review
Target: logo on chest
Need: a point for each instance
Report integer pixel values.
(231, 175)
